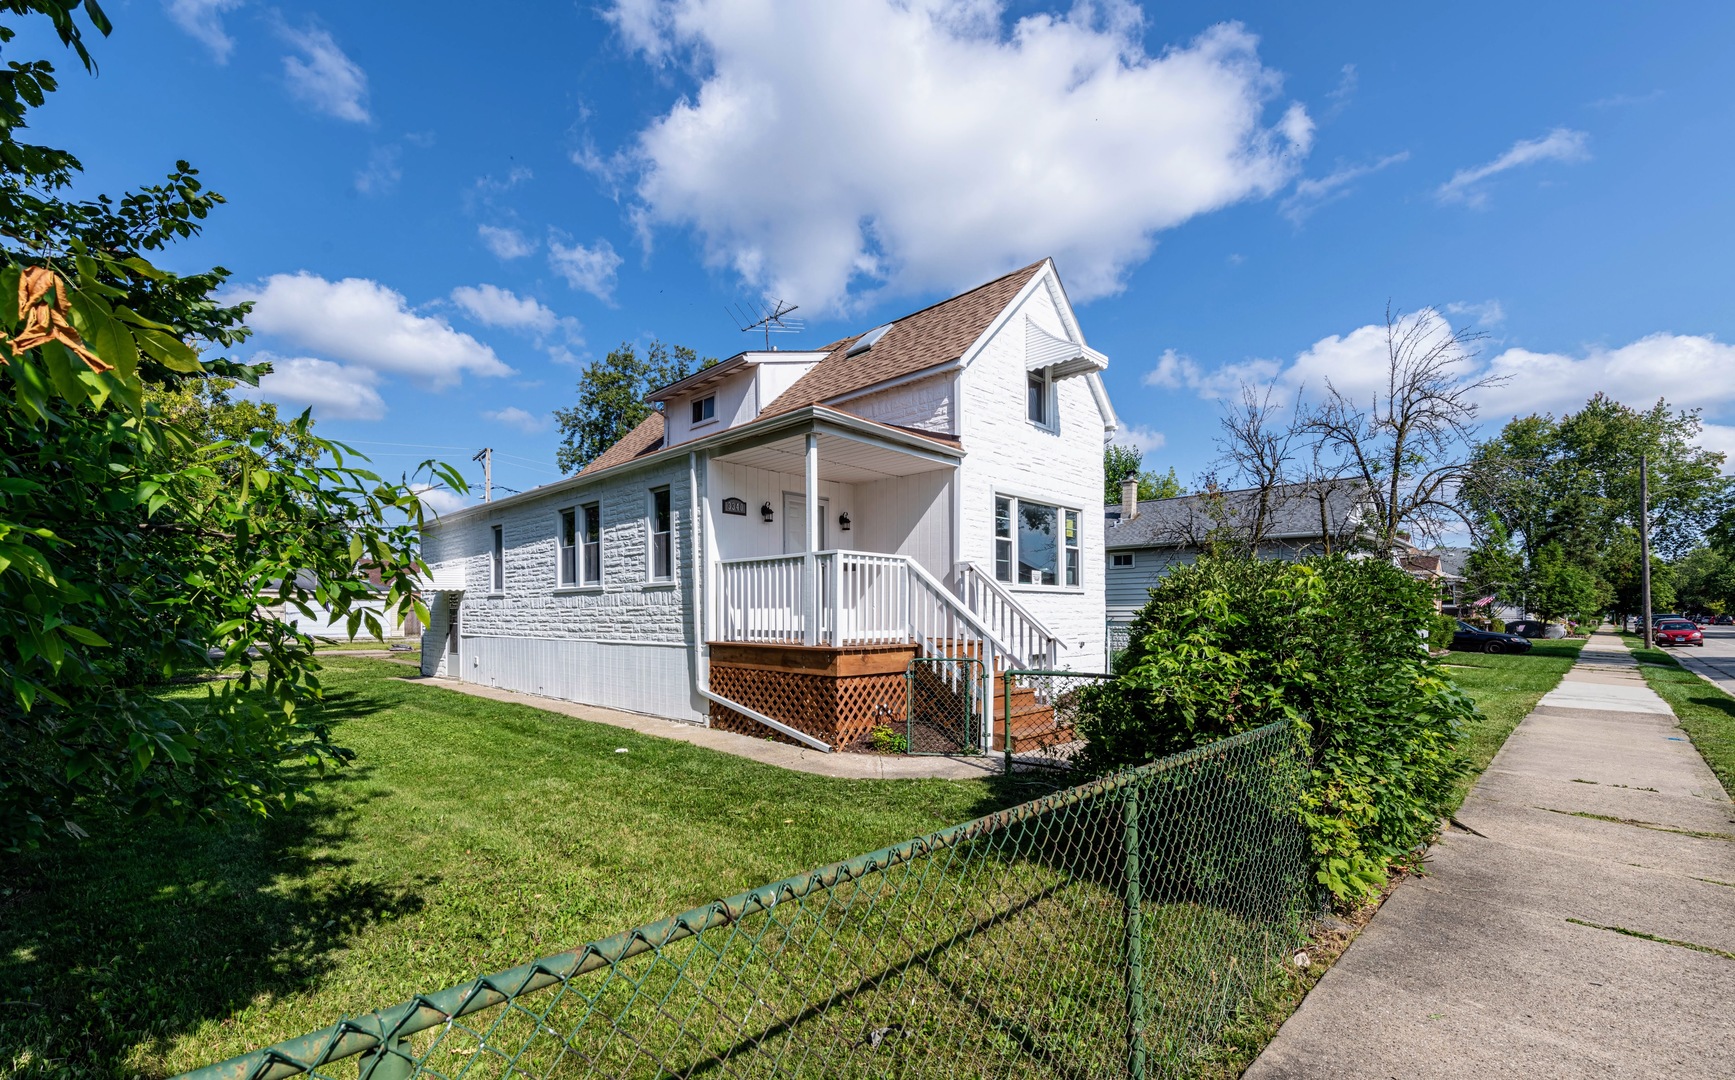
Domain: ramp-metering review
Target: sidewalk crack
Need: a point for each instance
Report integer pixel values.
(1653, 937)
(1635, 823)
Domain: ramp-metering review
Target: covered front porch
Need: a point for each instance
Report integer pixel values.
(835, 565)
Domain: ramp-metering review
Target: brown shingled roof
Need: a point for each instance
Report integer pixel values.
(927, 338)
(647, 438)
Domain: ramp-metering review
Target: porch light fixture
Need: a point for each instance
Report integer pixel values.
(843, 521)
(765, 513)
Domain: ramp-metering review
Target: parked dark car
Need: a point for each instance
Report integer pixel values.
(1527, 627)
(1679, 632)
(1725, 620)
(1469, 639)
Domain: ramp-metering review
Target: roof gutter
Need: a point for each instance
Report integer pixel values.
(757, 429)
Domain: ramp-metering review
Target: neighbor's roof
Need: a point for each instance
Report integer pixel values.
(921, 340)
(1184, 521)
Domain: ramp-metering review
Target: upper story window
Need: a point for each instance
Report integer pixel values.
(590, 538)
(1039, 400)
(497, 561)
(567, 542)
(662, 546)
(705, 408)
(1035, 544)
(1121, 559)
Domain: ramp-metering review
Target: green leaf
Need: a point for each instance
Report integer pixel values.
(169, 351)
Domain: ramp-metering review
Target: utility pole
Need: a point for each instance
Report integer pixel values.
(1645, 545)
(486, 457)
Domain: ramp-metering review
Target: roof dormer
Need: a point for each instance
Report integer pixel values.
(729, 393)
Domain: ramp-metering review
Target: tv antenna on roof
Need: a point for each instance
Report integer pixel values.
(770, 315)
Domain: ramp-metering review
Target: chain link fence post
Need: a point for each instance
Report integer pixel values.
(1135, 939)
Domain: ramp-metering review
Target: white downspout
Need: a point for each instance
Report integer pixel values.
(701, 652)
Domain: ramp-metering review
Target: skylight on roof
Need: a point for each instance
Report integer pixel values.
(866, 341)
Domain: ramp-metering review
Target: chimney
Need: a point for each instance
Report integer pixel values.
(1129, 498)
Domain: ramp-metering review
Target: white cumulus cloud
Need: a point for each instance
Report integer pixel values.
(491, 305)
(505, 243)
(905, 145)
(203, 19)
(1690, 371)
(365, 324)
(587, 269)
(334, 391)
(1143, 438)
(323, 76)
(1562, 144)
(513, 416)
(439, 500)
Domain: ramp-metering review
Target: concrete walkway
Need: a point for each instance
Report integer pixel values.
(1522, 953)
(799, 758)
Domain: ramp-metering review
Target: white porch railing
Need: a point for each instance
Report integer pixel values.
(1026, 639)
(864, 598)
(761, 600)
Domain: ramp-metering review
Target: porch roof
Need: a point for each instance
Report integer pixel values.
(844, 457)
(902, 450)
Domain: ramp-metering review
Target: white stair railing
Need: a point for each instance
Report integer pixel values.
(1028, 642)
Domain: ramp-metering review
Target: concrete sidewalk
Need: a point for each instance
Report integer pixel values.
(800, 758)
(1528, 949)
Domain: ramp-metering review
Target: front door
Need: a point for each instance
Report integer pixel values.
(795, 523)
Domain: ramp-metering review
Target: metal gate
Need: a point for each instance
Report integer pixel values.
(947, 705)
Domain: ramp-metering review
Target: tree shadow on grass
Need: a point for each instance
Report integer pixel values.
(148, 930)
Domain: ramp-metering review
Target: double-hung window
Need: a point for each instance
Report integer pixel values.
(590, 538)
(1039, 400)
(567, 542)
(662, 549)
(1035, 544)
(497, 561)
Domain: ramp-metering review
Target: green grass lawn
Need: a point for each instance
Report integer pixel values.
(469, 837)
(1707, 713)
(1505, 689)
(472, 836)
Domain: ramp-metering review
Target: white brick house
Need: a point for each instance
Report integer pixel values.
(932, 487)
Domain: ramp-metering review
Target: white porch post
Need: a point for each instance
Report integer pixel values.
(810, 563)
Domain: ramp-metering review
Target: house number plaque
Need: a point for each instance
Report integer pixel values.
(734, 506)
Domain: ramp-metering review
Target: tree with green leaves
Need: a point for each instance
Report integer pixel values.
(1705, 581)
(1574, 481)
(147, 521)
(1120, 462)
(611, 398)
(1561, 588)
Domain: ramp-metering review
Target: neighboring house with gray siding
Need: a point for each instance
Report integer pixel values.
(1146, 539)
(792, 528)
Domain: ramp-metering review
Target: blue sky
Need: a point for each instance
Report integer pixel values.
(442, 216)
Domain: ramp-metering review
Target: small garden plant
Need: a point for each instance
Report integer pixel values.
(888, 740)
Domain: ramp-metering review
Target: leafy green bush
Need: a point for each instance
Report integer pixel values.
(1440, 634)
(1332, 645)
(1497, 625)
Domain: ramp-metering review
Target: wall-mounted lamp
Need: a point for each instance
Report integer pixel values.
(843, 521)
(765, 513)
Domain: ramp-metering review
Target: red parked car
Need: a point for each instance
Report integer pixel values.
(1679, 632)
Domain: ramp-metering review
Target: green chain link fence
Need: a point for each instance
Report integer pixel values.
(1111, 929)
(1039, 713)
